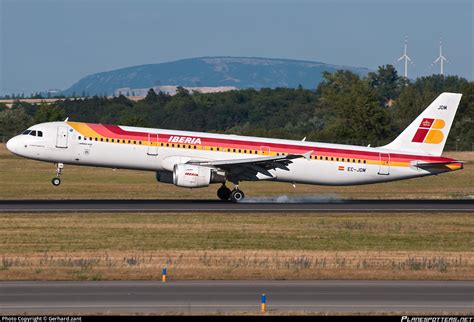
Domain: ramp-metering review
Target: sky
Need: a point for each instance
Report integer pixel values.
(51, 44)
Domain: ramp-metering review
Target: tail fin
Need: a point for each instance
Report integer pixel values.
(427, 134)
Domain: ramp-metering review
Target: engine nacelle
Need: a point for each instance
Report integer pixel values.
(195, 176)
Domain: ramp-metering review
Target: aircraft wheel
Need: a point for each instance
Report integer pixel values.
(223, 193)
(237, 195)
(56, 182)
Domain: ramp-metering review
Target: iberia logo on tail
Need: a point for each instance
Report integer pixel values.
(429, 131)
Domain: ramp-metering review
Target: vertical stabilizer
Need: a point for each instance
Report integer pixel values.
(427, 134)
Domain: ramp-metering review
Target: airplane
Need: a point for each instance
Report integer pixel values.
(195, 159)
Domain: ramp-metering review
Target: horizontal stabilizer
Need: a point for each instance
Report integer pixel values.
(448, 165)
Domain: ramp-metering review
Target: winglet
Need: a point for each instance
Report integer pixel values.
(67, 119)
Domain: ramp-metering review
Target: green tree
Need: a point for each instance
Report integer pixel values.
(182, 92)
(386, 83)
(49, 113)
(357, 116)
(151, 97)
(14, 121)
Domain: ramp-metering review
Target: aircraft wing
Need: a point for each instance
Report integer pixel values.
(252, 168)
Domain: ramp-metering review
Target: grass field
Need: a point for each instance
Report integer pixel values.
(26, 179)
(229, 245)
(236, 246)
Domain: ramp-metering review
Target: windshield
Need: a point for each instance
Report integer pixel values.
(33, 133)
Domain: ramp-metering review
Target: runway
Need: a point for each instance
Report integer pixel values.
(252, 205)
(238, 296)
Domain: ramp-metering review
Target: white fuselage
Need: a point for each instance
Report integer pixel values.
(159, 150)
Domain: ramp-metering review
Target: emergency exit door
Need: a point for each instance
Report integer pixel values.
(384, 168)
(152, 144)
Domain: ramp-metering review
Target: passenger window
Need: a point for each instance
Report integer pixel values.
(101, 139)
(79, 137)
(96, 139)
(113, 141)
(106, 140)
(134, 142)
(365, 161)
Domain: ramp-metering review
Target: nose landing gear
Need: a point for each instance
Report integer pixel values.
(56, 181)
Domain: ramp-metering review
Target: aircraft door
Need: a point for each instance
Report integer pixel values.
(384, 168)
(61, 137)
(152, 144)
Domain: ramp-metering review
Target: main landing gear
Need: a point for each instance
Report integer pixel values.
(235, 195)
(56, 180)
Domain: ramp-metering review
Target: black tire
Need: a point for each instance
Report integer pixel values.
(56, 182)
(237, 195)
(224, 193)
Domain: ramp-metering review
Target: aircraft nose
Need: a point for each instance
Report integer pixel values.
(12, 145)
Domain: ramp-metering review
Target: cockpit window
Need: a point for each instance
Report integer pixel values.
(33, 133)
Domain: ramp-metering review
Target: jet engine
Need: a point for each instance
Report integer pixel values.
(195, 176)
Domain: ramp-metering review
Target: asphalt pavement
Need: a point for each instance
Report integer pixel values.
(130, 297)
(264, 205)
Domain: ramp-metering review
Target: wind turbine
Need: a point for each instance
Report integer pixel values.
(440, 58)
(406, 58)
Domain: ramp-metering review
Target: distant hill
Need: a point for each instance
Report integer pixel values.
(240, 72)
